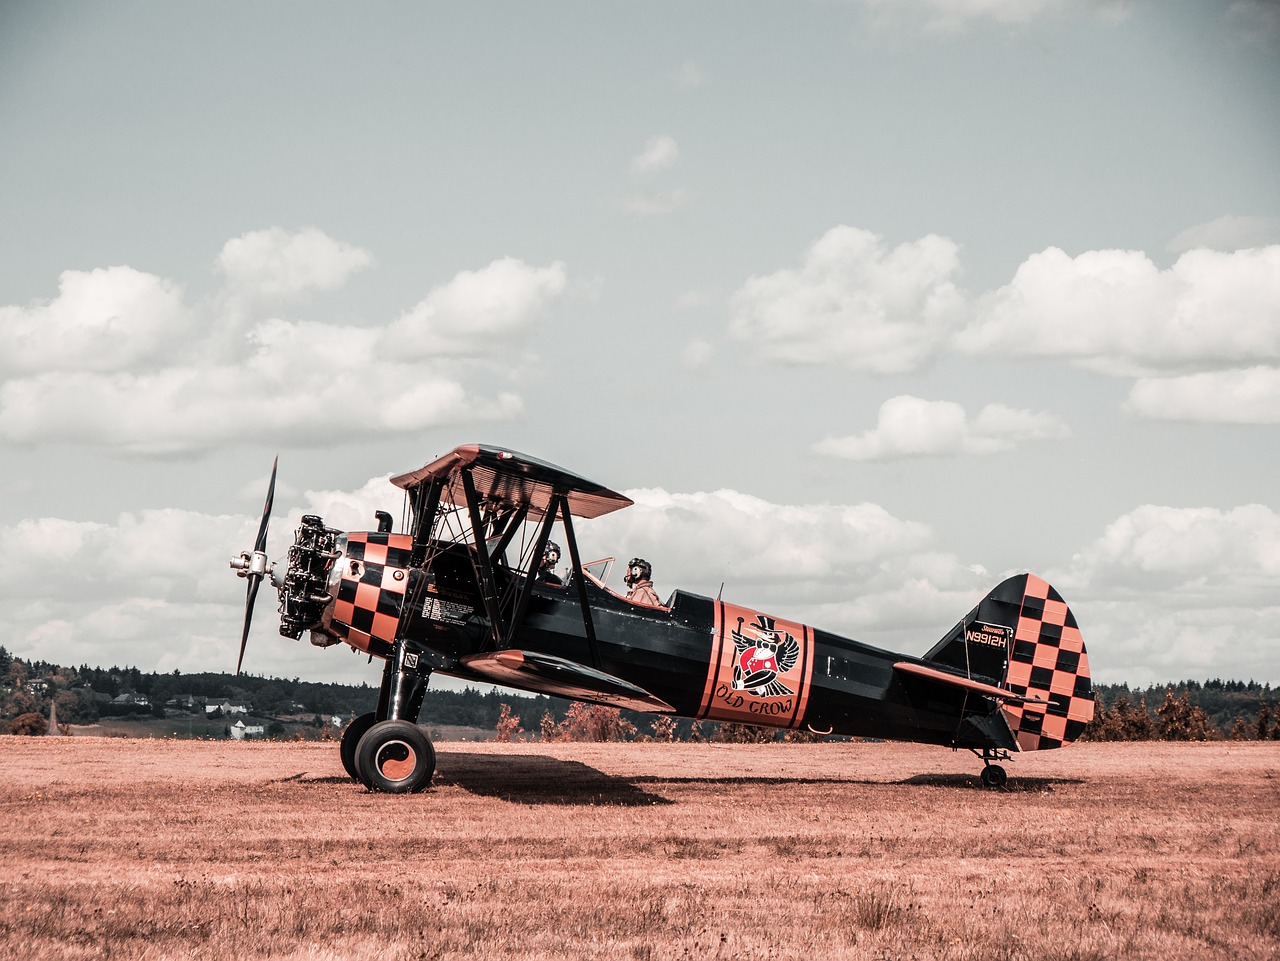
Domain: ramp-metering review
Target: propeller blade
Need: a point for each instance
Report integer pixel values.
(250, 596)
(260, 547)
(261, 543)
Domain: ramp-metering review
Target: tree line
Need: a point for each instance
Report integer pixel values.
(1188, 710)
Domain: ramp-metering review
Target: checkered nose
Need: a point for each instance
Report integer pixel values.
(371, 590)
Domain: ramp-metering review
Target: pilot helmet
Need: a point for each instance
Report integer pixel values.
(638, 569)
(551, 553)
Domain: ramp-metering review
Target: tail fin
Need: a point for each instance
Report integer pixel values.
(1023, 637)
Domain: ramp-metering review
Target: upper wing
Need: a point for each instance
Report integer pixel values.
(511, 479)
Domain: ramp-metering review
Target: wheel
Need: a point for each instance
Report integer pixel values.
(351, 740)
(395, 757)
(993, 776)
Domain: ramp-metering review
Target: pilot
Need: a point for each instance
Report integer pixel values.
(638, 579)
(547, 569)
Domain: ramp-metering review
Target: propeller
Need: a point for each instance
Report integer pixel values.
(254, 566)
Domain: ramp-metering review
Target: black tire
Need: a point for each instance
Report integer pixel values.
(395, 757)
(351, 741)
(994, 776)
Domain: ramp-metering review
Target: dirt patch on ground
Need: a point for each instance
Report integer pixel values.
(123, 849)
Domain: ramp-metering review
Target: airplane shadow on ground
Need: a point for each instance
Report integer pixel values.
(1015, 785)
(540, 779)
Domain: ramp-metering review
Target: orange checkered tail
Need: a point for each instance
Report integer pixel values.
(1023, 637)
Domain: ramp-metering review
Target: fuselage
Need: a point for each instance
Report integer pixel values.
(706, 658)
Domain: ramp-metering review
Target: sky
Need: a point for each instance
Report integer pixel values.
(867, 305)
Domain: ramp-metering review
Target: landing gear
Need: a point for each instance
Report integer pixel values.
(395, 757)
(993, 775)
(386, 750)
(351, 741)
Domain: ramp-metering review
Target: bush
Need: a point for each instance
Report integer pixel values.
(1180, 720)
(592, 722)
(31, 723)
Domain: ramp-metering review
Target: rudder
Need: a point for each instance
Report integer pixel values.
(1022, 636)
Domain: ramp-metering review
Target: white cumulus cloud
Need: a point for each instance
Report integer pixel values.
(855, 302)
(309, 383)
(1166, 593)
(660, 153)
(122, 363)
(911, 427)
(1244, 396)
(1189, 550)
(1228, 233)
(112, 318)
(1117, 312)
(277, 263)
(478, 311)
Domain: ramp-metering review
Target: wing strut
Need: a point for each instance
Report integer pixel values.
(426, 503)
(526, 592)
(581, 582)
(488, 589)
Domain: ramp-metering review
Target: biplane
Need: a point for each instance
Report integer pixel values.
(463, 591)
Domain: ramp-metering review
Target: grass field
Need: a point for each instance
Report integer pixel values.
(136, 849)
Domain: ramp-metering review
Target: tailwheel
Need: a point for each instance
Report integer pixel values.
(993, 775)
(351, 741)
(395, 757)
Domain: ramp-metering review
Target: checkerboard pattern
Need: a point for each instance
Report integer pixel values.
(1048, 661)
(370, 594)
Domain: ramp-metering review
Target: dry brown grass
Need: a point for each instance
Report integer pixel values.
(155, 849)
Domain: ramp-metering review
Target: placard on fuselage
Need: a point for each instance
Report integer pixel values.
(760, 668)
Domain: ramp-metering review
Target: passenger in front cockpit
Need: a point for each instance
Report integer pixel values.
(547, 569)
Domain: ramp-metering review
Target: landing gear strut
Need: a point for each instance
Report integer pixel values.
(386, 750)
(993, 775)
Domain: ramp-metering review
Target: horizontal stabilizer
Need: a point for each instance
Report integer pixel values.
(545, 674)
(956, 680)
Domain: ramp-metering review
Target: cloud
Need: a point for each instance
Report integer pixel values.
(478, 311)
(1187, 549)
(951, 16)
(689, 75)
(660, 153)
(108, 319)
(1170, 593)
(910, 427)
(697, 353)
(1114, 311)
(831, 549)
(308, 384)
(855, 303)
(1242, 396)
(153, 588)
(236, 379)
(656, 204)
(1228, 233)
(274, 263)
